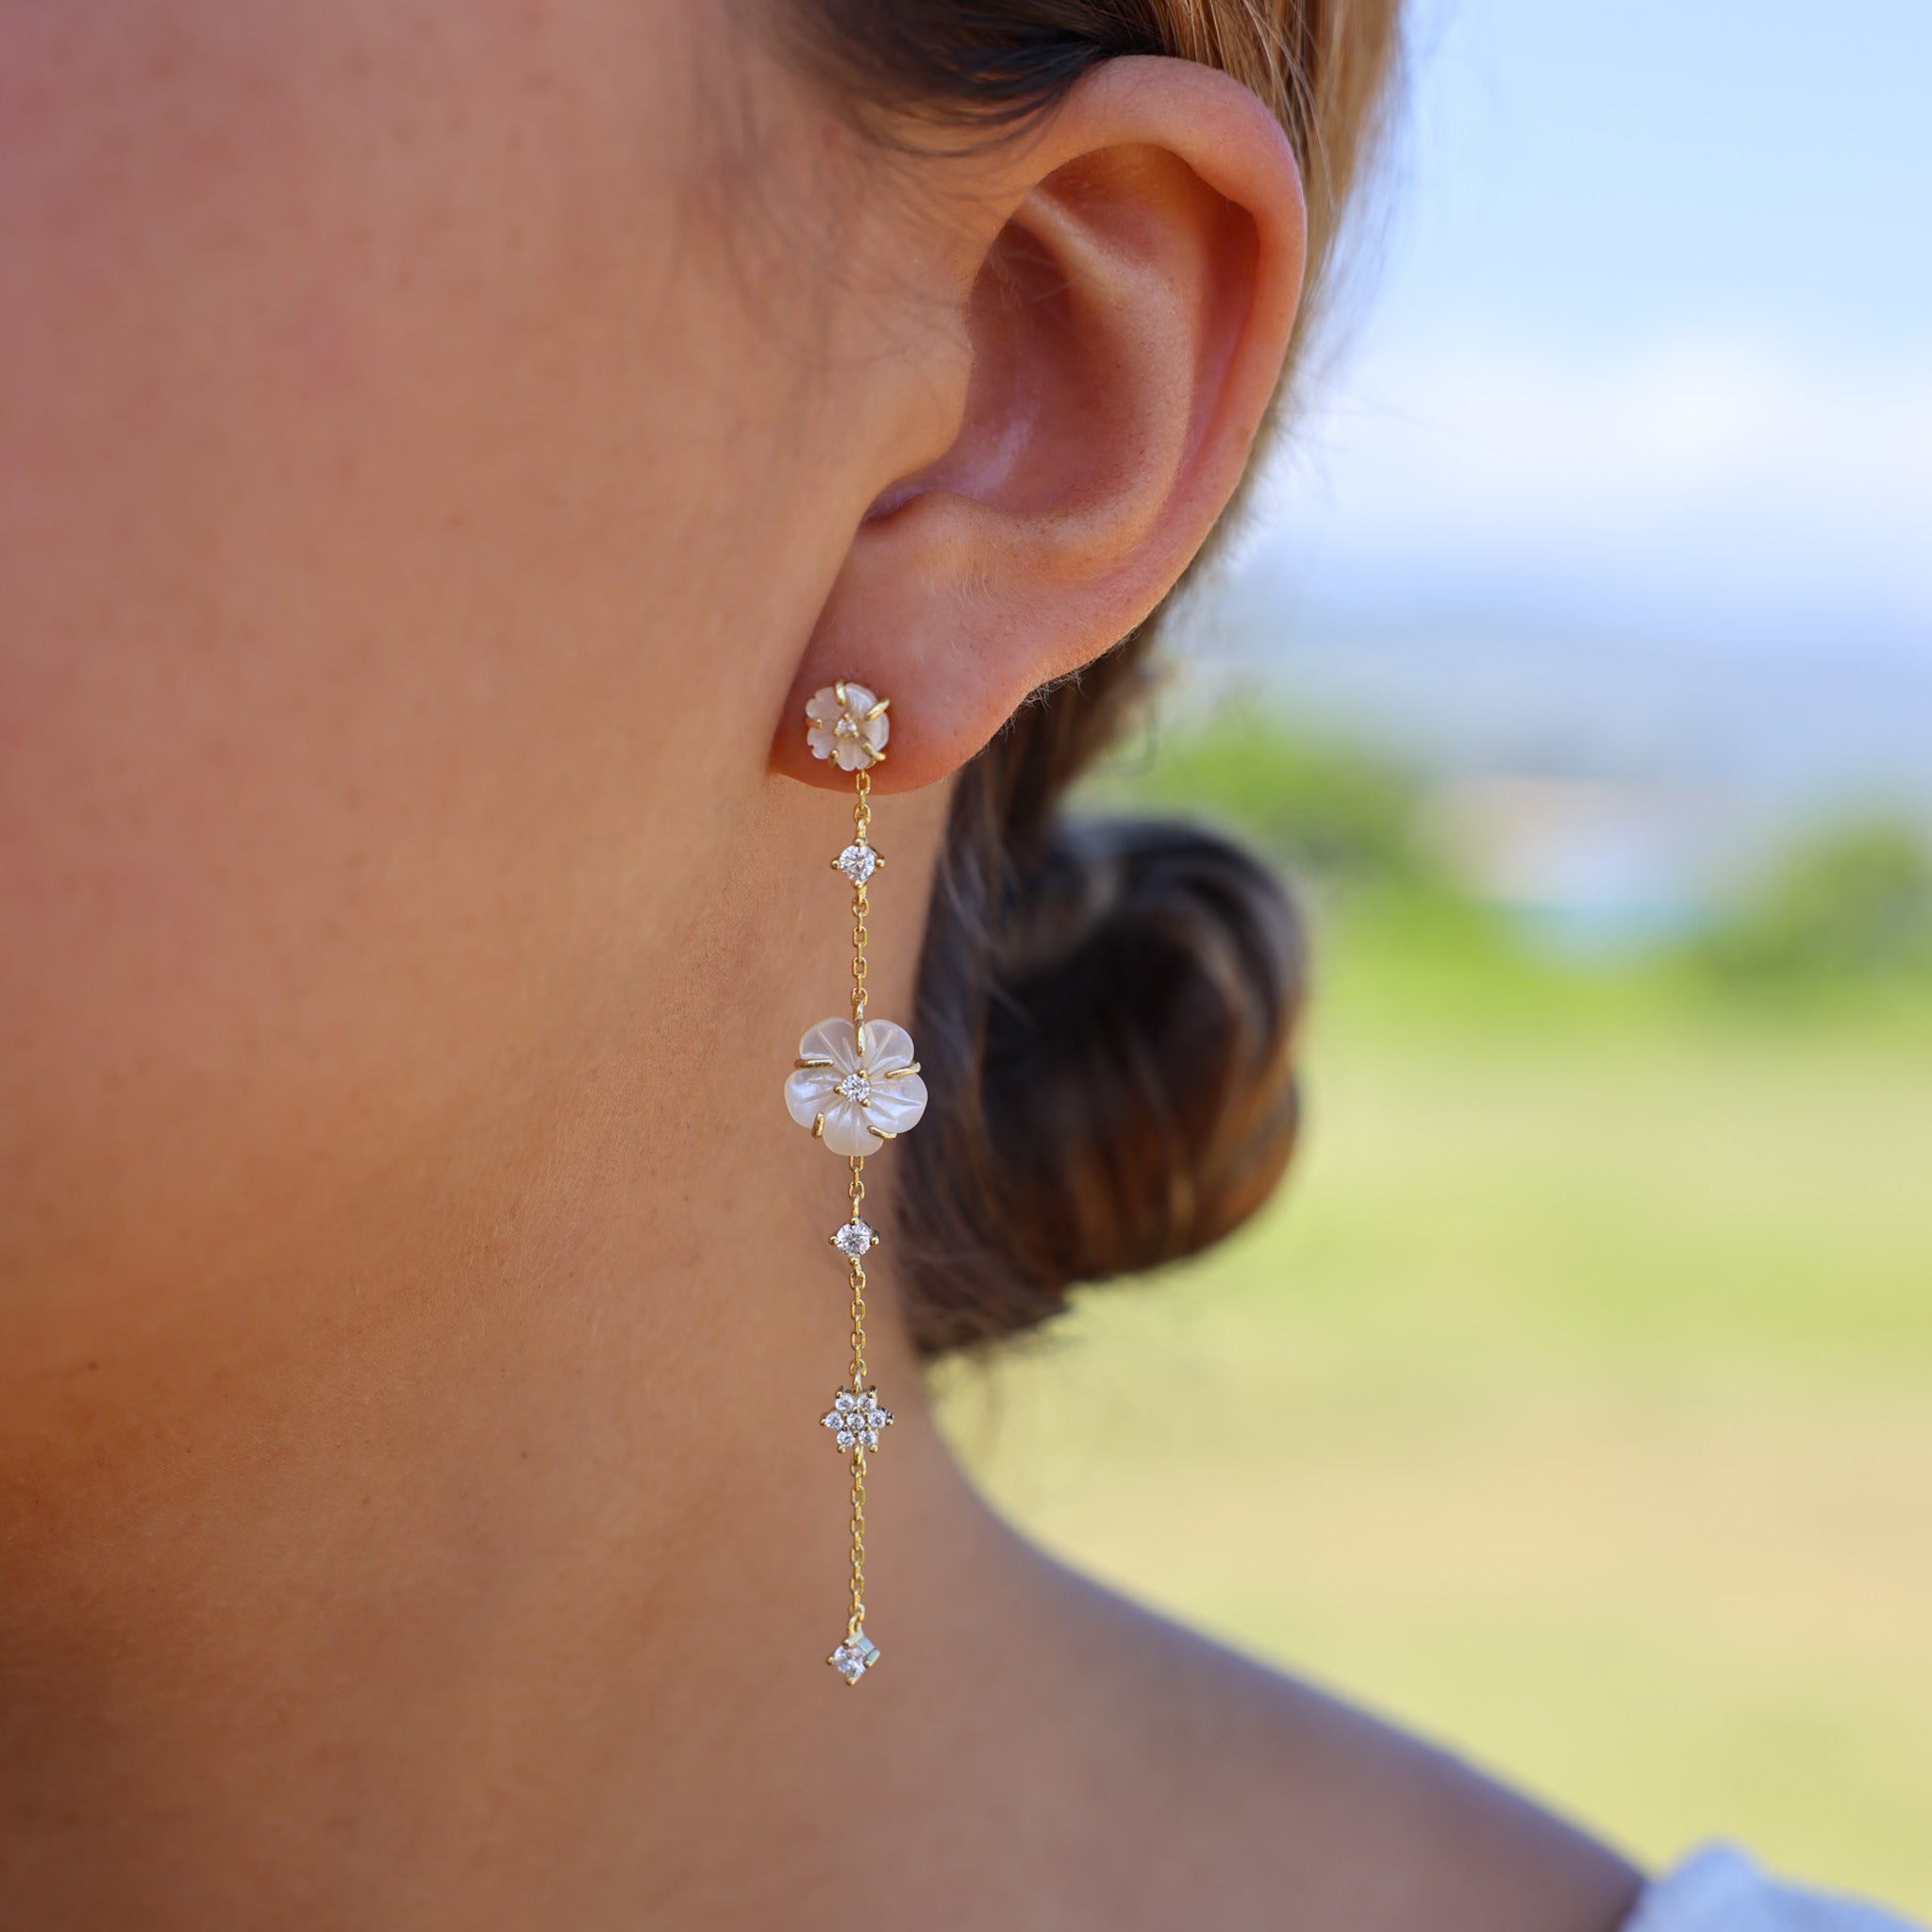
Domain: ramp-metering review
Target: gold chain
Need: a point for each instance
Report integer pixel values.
(861, 826)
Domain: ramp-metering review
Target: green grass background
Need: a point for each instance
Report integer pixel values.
(1573, 1405)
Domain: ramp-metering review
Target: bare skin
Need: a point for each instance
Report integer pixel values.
(440, 447)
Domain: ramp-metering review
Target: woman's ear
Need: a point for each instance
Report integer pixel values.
(1128, 278)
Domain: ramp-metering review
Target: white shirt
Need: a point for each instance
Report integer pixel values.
(1719, 1890)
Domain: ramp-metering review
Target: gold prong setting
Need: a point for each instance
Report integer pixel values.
(855, 1656)
(859, 862)
(854, 1239)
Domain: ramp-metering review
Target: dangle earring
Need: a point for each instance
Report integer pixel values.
(855, 1085)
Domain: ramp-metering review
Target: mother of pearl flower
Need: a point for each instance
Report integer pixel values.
(847, 724)
(855, 1088)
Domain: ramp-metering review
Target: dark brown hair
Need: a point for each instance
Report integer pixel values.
(1106, 1008)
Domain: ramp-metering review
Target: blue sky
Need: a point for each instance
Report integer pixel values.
(1648, 348)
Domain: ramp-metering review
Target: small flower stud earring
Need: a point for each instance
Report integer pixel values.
(856, 1086)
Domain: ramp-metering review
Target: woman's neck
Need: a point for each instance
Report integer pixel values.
(465, 1524)
(491, 1588)
(461, 1574)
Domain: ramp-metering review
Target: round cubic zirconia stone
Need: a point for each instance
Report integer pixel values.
(859, 863)
(854, 1239)
(855, 1656)
(856, 1087)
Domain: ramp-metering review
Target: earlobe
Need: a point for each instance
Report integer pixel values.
(1135, 266)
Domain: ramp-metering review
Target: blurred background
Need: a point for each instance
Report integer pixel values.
(1574, 1402)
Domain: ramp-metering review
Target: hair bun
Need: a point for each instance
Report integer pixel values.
(1119, 1036)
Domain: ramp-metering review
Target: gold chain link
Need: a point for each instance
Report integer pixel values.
(858, 1616)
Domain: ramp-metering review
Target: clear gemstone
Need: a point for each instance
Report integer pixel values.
(855, 1656)
(858, 862)
(858, 1419)
(856, 1087)
(854, 1239)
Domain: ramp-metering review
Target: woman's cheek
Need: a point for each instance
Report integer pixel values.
(357, 404)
